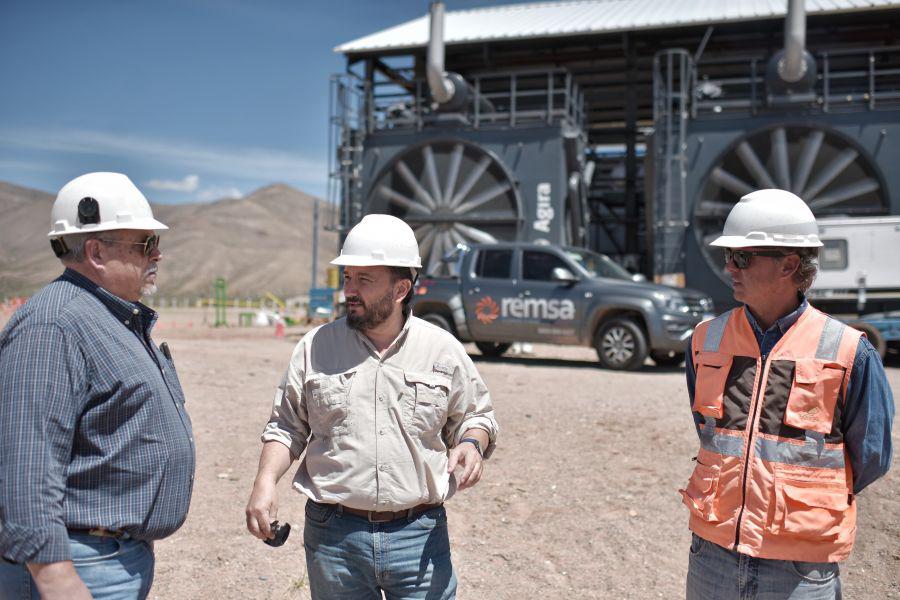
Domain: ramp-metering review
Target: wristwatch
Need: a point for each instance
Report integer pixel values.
(475, 443)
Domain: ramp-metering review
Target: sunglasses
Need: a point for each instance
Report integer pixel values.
(150, 244)
(741, 258)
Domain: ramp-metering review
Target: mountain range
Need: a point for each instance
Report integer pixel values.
(259, 243)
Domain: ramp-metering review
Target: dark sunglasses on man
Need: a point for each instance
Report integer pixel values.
(150, 244)
(741, 258)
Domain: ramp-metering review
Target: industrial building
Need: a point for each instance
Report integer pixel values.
(628, 126)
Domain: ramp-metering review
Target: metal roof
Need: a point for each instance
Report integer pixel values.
(571, 18)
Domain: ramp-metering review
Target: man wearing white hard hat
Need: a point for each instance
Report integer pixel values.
(96, 450)
(794, 414)
(393, 419)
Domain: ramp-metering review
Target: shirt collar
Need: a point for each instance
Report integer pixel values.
(134, 315)
(398, 341)
(784, 323)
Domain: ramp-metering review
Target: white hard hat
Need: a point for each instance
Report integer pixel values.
(100, 202)
(770, 218)
(380, 240)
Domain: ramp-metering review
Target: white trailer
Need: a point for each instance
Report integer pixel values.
(860, 262)
(859, 253)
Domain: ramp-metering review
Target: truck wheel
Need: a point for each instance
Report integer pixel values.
(621, 345)
(873, 334)
(667, 359)
(492, 348)
(438, 320)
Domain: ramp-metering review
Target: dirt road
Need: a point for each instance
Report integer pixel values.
(579, 501)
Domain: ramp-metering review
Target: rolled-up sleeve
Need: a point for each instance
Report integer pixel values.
(288, 422)
(868, 417)
(470, 406)
(43, 382)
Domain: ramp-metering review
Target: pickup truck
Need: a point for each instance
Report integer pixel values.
(523, 292)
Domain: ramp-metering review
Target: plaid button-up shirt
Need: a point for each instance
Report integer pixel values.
(93, 429)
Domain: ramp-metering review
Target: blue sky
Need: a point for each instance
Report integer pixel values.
(195, 100)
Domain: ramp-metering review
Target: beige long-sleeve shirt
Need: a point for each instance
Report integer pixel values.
(376, 429)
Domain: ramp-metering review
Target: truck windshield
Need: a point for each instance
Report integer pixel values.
(598, 265)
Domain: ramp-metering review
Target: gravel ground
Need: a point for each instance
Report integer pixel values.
(579, 501)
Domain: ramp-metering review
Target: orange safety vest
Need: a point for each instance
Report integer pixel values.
(773, 479)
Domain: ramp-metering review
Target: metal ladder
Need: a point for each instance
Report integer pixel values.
(672, 72)
(347, 131)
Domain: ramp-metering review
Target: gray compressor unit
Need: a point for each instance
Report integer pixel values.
(824, 126)
(842, 165)
(460, 185)
(496, 156)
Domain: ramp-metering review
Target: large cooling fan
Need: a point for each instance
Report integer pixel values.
(450, 192)
(830, 171)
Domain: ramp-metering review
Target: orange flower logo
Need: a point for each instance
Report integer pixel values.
(487, 310)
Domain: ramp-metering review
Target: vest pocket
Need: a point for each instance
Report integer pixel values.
(809, 510)
(712, 373)
(700, 495)
(814, 394)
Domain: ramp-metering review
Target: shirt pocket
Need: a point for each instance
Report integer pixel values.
(701, 491)
(327, 405)
(425, 403)
(814, 394)
(712, 374)
(808, 509)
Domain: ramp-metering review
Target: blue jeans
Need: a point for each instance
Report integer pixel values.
(717, 573)
(349, 558)
(111, 569)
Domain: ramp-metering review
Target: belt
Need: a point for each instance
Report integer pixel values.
(383, 516)
(102, 532)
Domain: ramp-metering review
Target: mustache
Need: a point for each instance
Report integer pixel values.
(151, 270)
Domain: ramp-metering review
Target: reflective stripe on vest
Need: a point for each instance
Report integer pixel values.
(788, 495)
(715, 331)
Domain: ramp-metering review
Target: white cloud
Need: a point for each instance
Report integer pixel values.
(189, 184)
(217, 193)
(253, 163)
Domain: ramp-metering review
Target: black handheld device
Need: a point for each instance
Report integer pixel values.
(281, 534)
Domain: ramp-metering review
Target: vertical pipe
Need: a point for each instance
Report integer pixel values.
(369, 109)
(512, 99)
(871, 80)
(631, 208)
(477, 101)
(315, 244)
(549, 98)
(442, 88)
(792, 67)
(753, 87)
(685, 65)
(668, 171)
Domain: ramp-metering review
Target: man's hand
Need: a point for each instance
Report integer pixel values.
(58, 581)
(466, 456)
(471, 462)
(262, 509)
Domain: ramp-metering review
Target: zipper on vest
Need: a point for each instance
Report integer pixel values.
(752, 417)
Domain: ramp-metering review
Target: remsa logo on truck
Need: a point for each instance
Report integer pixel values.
(487, 310)
(552, 309)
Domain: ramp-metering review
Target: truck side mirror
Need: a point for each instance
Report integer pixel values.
(564, 276)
